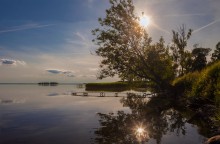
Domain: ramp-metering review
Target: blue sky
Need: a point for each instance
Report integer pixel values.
(44, 40)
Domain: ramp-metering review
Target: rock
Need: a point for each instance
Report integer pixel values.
(213, 140)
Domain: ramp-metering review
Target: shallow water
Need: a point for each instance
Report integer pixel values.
(32, 114)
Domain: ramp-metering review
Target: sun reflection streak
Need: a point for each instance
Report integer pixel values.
(141, 133)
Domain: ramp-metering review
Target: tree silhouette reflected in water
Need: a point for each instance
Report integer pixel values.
(148, 119)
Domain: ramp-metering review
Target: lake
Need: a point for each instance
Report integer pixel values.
(32, 114)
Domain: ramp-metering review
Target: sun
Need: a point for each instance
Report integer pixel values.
(144, 21)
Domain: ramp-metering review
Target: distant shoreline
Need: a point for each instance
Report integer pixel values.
(37, 83)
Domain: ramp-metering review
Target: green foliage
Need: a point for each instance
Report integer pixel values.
(184, 84)
(180, 56)
(202, 85)
(216, 117)
(208, 83)
(216, 55)
(127, 50)
(199, 58)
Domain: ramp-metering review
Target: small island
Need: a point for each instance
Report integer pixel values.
(48, 83)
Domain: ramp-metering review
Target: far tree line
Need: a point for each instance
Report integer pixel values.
(186, 61)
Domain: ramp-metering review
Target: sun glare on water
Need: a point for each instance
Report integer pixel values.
(144, 21)
(140, 131)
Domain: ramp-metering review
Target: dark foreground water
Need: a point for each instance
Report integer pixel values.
(31, 114)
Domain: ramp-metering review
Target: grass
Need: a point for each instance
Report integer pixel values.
(208, 83)
(185, 83)
(202, 85)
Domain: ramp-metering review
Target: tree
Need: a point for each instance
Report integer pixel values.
(181, 57)
(127, 50)
(199, 58)
(216, 55)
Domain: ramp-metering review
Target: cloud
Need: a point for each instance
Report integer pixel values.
(24, 27)
(54, 71)
(11, 62)
(87, 76)
(64, 72)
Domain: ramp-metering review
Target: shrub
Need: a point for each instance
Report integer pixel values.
(208, 83)
(184, 84)
(203, 85)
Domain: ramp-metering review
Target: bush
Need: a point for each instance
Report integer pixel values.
(208, 83)
(202, 85)
(184, 84)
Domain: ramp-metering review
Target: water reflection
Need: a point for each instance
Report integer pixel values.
(28, 115)
(64, 118)
(150, 119)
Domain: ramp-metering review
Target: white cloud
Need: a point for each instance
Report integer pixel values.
(54, 71)
(11, 62)
(70, 73)
(88, 76)
(69, 59)
(24, 27)
(64, 72)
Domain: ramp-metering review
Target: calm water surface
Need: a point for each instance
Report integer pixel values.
(32, 114)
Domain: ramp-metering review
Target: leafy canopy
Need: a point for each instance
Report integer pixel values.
(181, 57)
(216, 54)
(127, 50)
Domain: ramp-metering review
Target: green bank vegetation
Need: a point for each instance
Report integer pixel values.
(204, 84)
(200, 92)
(117, 86)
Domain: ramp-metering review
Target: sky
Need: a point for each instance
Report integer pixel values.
(51, 40)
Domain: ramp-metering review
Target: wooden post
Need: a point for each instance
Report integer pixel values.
(102, 94)
(74, 93)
